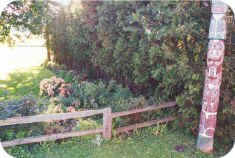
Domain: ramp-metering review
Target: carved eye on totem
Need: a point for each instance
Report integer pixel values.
(216, 50)
(216, 45)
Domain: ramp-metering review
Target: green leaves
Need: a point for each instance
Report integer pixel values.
(157, 48)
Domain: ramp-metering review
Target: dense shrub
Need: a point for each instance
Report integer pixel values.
(158, 49)
(26, 106)
(78, 93)
(21, 107)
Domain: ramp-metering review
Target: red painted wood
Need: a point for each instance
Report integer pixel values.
(213, 77)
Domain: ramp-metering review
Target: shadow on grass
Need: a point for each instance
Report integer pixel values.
(23, 82)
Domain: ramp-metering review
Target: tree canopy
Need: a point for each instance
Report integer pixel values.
(27, 15)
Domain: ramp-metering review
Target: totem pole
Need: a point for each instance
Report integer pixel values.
(213, 76)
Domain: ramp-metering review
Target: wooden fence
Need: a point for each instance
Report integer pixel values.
(106, 130)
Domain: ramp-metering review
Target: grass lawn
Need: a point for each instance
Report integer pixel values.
(140, 145)
(23, 82)
(143, 144)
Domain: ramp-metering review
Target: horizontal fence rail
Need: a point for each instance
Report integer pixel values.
(50, 137)
(148, 108)
(106, 130)
(49, 117)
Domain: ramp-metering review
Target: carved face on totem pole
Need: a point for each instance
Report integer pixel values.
(210, 103)
(211, 91)
(213, 76)
(215, 58)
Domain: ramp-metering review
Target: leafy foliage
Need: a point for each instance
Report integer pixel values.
(19, 14)
(25, 106)
(61, 96)
(77, 94)
(156, 48)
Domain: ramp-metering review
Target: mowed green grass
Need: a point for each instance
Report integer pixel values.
(23, 82)
(20, 70)
(144, 145)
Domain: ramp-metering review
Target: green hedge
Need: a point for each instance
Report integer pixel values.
(156, 48)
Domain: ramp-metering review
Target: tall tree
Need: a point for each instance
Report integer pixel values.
(30, 15)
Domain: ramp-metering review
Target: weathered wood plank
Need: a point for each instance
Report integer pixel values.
(148, 108)
(106, 130)
(51, 137)
(49, 117)
(107, 123)
(144, 124)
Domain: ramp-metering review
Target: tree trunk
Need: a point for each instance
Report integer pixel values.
(48, 44)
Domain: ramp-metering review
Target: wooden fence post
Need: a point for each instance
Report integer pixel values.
(107, 123)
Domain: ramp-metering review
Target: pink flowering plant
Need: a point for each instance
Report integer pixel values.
(53, 86)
